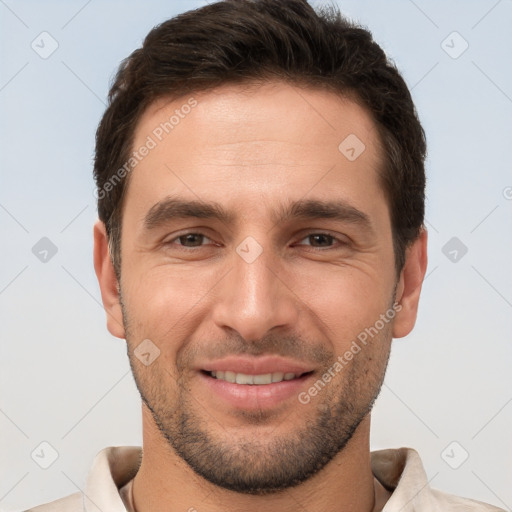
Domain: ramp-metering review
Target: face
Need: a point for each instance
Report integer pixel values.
(256, 255)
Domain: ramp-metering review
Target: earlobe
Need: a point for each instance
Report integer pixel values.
(409, 286)
(108, 281)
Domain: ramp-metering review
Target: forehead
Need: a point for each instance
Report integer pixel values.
(277, 110)
(249, 144)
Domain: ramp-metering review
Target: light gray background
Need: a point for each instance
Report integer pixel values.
(66, 381)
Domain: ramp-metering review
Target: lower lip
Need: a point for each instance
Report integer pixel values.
(255, 396)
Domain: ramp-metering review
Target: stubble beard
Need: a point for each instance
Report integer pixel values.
(244, 461)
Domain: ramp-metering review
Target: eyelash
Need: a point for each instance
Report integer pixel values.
(313, 233)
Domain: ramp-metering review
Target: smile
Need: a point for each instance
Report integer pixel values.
(262, 379)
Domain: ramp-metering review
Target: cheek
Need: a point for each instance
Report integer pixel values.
(165, 291)
(343, 301)
(164, 303)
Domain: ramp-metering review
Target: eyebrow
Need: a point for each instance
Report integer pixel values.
(171, 208)
(174, 208)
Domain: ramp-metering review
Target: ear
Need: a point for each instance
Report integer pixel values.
(409, 286)
(108, 281)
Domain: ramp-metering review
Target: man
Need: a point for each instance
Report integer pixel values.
(260, 179)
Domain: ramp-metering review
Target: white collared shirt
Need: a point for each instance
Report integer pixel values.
(109, 485)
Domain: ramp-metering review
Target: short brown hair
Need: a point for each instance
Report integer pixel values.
(236, 41)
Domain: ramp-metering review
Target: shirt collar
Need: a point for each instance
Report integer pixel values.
(398, 470)
(401, 471)
(112, 468)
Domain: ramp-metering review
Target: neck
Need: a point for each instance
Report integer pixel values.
(165, 482)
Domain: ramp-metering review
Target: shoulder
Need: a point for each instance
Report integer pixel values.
(72, 503)
(401, 472)
(460, 504)
(111, 469)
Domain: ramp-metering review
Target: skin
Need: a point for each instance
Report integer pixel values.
(252, 149)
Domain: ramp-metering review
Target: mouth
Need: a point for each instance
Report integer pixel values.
(254, 391)
(244, 382)
(254, 380)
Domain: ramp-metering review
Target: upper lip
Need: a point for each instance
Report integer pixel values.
(256, 365)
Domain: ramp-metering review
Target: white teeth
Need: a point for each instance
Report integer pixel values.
(242, 378)
(230, 376)
(263, 379)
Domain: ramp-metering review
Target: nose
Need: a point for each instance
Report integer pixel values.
(254, 298)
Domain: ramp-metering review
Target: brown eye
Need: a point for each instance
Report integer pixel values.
(191, 240)
(320, 240)
(324, 241)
